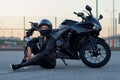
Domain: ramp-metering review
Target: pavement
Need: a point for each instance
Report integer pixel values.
(75, 70)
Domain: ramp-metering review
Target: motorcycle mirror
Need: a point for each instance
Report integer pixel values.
(26, 29)
(100, 17)
(88, 8)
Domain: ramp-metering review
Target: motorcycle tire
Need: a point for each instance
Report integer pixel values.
(87, 55)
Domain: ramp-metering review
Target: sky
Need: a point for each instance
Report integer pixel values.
(52, 7)
(11, 9)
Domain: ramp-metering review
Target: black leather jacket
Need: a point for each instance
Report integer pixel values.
(47, 47)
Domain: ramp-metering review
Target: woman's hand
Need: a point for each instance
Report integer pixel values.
(27, 58)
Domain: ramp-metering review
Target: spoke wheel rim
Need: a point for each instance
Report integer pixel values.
(97, 58)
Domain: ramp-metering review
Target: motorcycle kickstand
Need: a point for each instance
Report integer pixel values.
(64, 62)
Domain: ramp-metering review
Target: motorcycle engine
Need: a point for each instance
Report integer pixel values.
(61, 44)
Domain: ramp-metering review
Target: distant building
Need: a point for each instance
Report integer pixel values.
(10, 38)
(113, 41)
(8, 42)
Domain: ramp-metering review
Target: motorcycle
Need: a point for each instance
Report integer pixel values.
(79, 40)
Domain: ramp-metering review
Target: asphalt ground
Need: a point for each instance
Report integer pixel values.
(75, 70)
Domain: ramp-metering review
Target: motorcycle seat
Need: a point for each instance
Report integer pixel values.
(68, 22)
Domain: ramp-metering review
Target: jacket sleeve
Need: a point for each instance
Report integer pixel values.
(33, 41)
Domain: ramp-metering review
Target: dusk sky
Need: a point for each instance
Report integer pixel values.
(12, 11)
(53, 7)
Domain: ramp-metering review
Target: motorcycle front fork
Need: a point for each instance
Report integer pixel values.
(93, 43)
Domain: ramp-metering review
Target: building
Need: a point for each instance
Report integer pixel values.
(113, 41)
(8, 42)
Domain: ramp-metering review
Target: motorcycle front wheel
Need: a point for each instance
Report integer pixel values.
(98, 59)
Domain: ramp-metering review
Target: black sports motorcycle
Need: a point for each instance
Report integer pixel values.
(79, 40)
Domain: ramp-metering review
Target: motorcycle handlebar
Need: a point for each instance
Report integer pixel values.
(30, 22)
(79, 14)
(75, 13)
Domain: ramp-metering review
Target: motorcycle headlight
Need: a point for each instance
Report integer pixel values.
(96, 27)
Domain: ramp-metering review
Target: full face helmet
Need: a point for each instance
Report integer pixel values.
(45, 22)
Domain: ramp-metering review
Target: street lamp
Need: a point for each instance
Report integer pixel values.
(96, 8)
(113, 18)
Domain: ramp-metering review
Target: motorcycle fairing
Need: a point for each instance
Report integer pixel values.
(58, 33)
(79, 28)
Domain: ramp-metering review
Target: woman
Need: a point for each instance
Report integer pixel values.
(44, 54)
